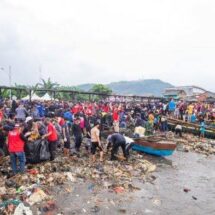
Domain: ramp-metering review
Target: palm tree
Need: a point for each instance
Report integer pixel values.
(48, 85)
(36, 86)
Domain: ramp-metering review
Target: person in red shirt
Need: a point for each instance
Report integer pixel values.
(16, 142)
(75, 109)
(1, 113)
(106, 108)
(51, 137)
(116, 120)
(90, 106)
(81, 108)
(88, 111)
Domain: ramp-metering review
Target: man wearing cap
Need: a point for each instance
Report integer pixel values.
(28, 124)
(16, 142)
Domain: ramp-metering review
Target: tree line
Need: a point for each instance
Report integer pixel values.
(50, 85)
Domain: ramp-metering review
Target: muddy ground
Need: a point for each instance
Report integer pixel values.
(184, 183)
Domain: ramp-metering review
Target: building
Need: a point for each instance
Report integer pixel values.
(174, 93)
(189, 93)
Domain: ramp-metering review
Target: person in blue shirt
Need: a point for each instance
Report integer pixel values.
(41, 110)
(172, 106)
(68, 116)
(193, 118)
(202, 129)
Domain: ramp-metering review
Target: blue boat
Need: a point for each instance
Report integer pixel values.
(154, 147)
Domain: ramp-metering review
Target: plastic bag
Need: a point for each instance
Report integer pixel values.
(21, 209)
(44, 151)
(32, 151)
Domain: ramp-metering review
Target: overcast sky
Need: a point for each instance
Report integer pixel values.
(95, 41)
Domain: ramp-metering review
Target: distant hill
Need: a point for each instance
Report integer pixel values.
(85, 87)
(147, 87)
(142, 87)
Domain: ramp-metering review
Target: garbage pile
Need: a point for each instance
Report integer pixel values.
(31, 191)
(190, 142)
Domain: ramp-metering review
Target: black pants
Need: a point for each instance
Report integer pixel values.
(78, 141)
(52, 149)
(181, 115)
(94, 146)
(115, 149)
(178, 131)
(67, 144)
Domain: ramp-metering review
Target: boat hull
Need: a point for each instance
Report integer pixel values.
(153, 147)
(152, 151)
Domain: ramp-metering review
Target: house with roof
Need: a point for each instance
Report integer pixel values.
(189, 93)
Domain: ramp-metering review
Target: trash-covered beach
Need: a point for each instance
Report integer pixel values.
(107, 107)
(44, 183)
(180, 184)
(59, 158)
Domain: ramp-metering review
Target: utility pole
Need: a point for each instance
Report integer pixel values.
(10, 80)
(9, 73)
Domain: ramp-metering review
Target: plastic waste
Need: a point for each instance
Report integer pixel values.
(37, 196)
(21, 209)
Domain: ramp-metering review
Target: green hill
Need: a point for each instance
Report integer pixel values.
(147, 87)
(85, 87)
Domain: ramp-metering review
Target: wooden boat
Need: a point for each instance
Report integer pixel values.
(193, 128)
(154, 145)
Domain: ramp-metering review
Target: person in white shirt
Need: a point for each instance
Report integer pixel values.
(178, 130)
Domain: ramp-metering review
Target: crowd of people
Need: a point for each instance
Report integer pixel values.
(61, 123)
(192, 111)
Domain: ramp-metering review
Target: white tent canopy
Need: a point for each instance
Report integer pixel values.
(46, 97)
(26, 98)
(33, 97)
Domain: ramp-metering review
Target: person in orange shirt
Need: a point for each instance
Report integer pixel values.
(190, 111)
(151, 119)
